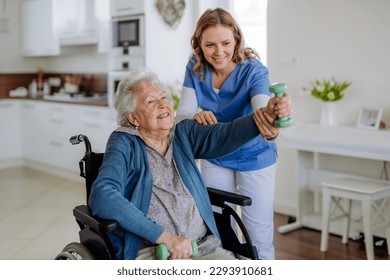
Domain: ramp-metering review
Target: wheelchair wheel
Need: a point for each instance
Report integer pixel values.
(75, 251)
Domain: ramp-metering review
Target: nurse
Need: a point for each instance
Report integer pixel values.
(226, 81)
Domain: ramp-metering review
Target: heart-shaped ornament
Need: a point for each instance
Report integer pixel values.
(171, 11)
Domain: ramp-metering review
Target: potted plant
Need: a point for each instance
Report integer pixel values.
(328, 91)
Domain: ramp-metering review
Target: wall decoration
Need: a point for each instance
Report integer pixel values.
(370, 118)
(171, 11)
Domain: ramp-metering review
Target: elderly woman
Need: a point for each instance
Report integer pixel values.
(149, 181)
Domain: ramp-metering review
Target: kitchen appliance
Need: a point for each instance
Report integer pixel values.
(128, 42)
(127, 50)
(114, 77)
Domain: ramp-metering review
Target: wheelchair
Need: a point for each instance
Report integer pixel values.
(94, 241)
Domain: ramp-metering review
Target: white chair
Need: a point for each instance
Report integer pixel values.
(370, 194)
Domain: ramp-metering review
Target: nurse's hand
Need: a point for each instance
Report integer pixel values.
(205, 118)
(279, 106)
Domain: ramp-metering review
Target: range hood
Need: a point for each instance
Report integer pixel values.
(79, 39)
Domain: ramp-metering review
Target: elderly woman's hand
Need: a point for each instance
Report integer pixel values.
(179, 247)
(279, 106)
(264, 123)
(205, 118)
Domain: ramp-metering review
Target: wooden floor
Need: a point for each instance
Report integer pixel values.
(304, 244)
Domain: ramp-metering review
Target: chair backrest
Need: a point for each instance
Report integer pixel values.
(89, 169)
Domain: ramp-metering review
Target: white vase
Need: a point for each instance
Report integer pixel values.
(328, 114)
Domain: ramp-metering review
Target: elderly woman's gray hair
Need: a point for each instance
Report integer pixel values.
(125, 98)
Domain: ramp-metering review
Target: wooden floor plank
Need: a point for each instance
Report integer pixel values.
(304, 244)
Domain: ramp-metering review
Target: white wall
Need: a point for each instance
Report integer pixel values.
(78, 59)
(168, 49)
(348, 40)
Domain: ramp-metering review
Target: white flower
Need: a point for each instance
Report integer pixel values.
(328, 90)
(320, 88)
(331, 95)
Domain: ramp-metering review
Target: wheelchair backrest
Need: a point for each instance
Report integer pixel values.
(89, 169)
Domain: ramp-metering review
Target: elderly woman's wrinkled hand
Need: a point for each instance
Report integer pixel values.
(179, 247)
(264, 122)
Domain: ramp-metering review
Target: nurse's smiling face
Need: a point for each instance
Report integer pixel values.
(153, 114)
(217, 44)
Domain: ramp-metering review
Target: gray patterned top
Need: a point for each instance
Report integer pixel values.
(171, 205)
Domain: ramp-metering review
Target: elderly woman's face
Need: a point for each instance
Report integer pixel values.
(154, 112)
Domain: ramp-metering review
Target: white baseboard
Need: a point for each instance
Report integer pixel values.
(285, 209)
(53, 170)
(11, 163)
(50, 169)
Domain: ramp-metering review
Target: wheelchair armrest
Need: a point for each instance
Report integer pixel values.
(219, 197)
(84, 215)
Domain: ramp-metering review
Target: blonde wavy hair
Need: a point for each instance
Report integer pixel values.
(211, 18)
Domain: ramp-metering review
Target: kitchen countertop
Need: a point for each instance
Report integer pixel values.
(68, 101)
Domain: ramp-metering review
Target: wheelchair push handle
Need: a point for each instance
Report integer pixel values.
(162, 252)
(77, 139)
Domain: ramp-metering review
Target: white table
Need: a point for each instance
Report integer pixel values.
(316, 144)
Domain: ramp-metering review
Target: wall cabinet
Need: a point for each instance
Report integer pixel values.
(126, 7)
(83, 22)
(38, 28)
(75, 17)
(48, 24)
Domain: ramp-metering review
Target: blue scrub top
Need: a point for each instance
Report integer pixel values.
(231, 102)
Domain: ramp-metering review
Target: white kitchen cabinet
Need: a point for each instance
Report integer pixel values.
(96, 124)
(32, 132)
(126, 7)
(39, 37)
(36, 134)
(49, 126)
(10, 140)
(40, 144)
(48, 24)
(55, 121)
(83, 22)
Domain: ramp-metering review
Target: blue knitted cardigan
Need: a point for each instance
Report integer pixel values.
(122, 190)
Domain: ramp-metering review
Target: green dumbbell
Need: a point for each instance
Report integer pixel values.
(162, 252)
(279, 89)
